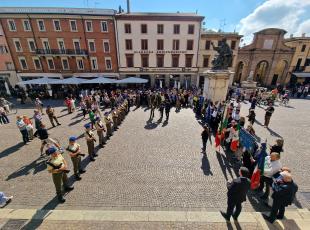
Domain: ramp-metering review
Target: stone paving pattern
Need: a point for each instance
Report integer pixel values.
(148, 166)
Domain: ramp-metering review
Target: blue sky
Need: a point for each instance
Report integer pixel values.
(244, 16)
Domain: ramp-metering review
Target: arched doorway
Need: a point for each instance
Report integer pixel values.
(239, 71)
(261, 71)
(280, 72)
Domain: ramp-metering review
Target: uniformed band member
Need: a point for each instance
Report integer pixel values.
(57, 166)
(108, 123)
(115, 119)
(90, 140)
(100, 129)
(74, 151)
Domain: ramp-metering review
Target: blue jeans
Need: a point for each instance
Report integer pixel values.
(24, 133)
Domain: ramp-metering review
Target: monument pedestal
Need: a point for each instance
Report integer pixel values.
(216, 84)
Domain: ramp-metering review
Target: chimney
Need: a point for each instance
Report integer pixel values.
(303, 35)
(128, 6)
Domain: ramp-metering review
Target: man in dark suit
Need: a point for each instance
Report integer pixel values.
(236, 194)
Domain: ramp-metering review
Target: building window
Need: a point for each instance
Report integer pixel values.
(160, 60)
(307, 62)
(18, 46)
(50, 63)
(205, 61)
(160, 28)
(41, 25)
(233, 45)
(3, 49)
(188, 60)
(127, 29)
(73, 26)
(23, 63)
(57, 25)
(26, 25)
(108, 63)
(106, 46)
(208, 44)
(94, 64)
(232, 61)
(191, 29)
(104, 26)
(61, 45)
(303, 48)
(176, 44)
(46, 46)
(176, 29)
(12, 25)
(144, 44)
(37, 63)
(9, 66)
(89, 26)
(160, 44)
(190, 44)
(76, 44)
(91, 46)
(31, 45)
(129, 60)
(175, 60)
(65, 64)
(128, 44)
(144, 60)
(143, 29)
(80, 63)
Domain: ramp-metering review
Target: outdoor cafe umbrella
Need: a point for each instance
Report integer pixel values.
(38, 81)
(99, 80)
(69, 81)
(132, 80)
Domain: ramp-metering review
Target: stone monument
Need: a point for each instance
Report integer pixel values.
(217, 79)
(249, 83)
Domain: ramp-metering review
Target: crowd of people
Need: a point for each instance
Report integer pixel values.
(106, 109)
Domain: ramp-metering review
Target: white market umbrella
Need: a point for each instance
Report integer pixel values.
(38, 81)
(132, 80)
(99, 80)
(69, 81)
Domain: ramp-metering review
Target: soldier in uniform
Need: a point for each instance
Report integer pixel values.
(108, 123)
(90, 141)
(152, 105)
(57, 166)
(74, 151)
(115, 119)
(100, 129)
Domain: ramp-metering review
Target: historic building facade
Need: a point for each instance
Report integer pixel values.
(60, 42)
(206, 54)
(299, 69)
(267, 56)
(160, 47)
(7, 70)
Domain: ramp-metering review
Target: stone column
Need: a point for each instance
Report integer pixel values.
(216, 84)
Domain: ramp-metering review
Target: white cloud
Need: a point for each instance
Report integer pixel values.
(290, 15)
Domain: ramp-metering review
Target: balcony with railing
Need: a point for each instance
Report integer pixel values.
(59, 52)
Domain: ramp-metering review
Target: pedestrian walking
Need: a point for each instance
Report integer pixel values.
(29, 126)
(236, 194)
(23, 129)
(58, 167)
(268, 114)
(167, 108)
(205, 136)
(3, 117)
(74, 150)
(51, 115)
(39, 105)
(44, 137)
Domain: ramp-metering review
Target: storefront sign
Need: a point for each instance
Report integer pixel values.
(160, 52)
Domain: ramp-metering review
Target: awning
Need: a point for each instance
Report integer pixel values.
(91, 75)
(69, 81)
(132, 80)
(301, 74)
(99, 80)
(38, 81)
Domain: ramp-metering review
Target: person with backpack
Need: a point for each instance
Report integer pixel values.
(284, 192)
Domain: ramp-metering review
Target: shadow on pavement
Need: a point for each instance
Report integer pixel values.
(205, 165)
(273, 133)
(37, 166)
(11, 150)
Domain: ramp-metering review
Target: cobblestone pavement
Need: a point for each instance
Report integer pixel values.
(148, 166)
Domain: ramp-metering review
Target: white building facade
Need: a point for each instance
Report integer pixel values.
(162, 48)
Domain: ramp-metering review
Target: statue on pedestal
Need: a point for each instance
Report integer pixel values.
(225, 56)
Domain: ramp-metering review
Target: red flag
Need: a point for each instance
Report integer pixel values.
(234, 145)
(255, 179)
(217, 139)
